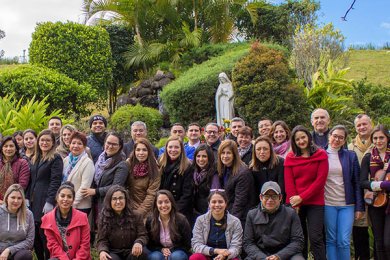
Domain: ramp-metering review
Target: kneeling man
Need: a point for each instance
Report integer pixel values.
(272, 230)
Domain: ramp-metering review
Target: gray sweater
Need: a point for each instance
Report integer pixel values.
(12, 234)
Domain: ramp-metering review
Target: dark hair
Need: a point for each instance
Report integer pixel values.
(16, 133)
(212, 124)
(296, 150)
(245, 130)
(12, 139)
(173, 216)
(107, 216)
(383, 129)
(153, 171)
(178, 124)
(66, 185)
(30, 131)
(221, 193)
(340, 127)
(273, 159)
(285, 128)
(38, 152)
(210, 168)
(194, 124)
(119, 156)
(56, 117)
(79, 135)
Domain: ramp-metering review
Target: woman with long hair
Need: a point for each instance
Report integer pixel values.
(205, 178)
(375, 171)
(13, 168)
(121, 231)
(65, 133)
(18, 136)
(217, 234)
(280, 134)
(236, 178)
(343, 195)
(144, 177)
(266, 165)
(30, 142)
(66, 228)
(305, 171)
(175, 170)
(168, 230)
(79, 170)
(46, 177)
(17, 227)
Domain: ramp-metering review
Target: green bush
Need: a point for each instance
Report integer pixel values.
(125, 115)
(63, 93)
(81, 52)
(263, 88)
(191, 97)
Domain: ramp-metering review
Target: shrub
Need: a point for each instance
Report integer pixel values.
(191, 97)
(63, 93)
(81, 52)
(263, 88)
(125, 115)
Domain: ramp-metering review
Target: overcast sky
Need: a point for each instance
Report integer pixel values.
(369, 22)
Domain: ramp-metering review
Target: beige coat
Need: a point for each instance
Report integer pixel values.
(81, 176)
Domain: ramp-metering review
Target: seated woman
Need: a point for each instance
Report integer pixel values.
(17, 229)
(67, 229)
(169, 231)
(217, 234)
(121, 232)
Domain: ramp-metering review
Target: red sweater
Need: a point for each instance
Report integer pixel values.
(306, 177)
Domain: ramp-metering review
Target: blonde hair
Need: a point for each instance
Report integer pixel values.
(21, 215)
(184, 162)
(232, 146)
(38, 152)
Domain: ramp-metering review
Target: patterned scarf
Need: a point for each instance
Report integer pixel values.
(199, 176)
(281, 149)
(376, 162)
(73, 160)
(362, 146)
(140, 169)
(101, 163)
(6, 177)
(243, 151)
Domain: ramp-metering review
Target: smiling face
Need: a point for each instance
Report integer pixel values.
(9, 150)
(302, 140)
(55, 126)
(14, 201)
(263, 151)
(337, 139)
(164, 205)
(45, 143)
(19, 141)
(320, 121)
(65, 199)
(174, 149)
(76, 147)
(141, 152)
(202, 160)
(111, 146)
(138, 131)
(227, 157)
(244, 140)
(363, 127)
(66, 136)
(98, 127)
(380, 141)
(270, 200)
(280, 134)
(211, 134)
(193, 133)
(264, 127)
(235, 127)
(178, 130)
(217, 204)
(118, 202)
(29, 140)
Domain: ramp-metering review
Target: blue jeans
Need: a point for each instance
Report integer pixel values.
(175, 255)
(338, 226)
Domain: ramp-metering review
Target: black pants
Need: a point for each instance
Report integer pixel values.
(122, 256)
(381, 230)
(40, 243)
(361, 243)
(312, 221)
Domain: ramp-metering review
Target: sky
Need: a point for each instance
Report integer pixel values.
(368, 22)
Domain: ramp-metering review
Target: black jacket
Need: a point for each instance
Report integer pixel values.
(46, 177)
(201, 193)
(281, 235)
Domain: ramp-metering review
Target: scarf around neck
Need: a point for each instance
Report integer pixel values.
(243, 151)
(282, 149)
(101, 164)
(6, 176)
(376, 162)
(363, 147)
(140, 170)
(73, 160)
(199, 176)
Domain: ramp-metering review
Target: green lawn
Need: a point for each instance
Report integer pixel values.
(373, 64)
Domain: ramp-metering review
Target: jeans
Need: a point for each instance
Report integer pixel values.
(338, 226)
(175, 255)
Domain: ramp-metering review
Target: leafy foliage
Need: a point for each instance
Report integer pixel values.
(63, 93)
(263, 88)
(17, 116)
(191, 97)
(81, 52)
(125, 115)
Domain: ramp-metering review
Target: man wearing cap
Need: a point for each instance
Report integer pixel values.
(272, 230)
(95, 141)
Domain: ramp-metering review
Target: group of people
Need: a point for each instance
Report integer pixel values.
(279, 196)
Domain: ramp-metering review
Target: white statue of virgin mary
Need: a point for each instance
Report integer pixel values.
(224, 99)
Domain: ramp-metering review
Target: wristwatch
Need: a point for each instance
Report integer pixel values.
(211, 251)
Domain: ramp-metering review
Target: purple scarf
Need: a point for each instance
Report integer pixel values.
(282, 149)
(100, 165)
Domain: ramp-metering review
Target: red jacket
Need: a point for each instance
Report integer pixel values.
(77, 236)
(20, 169)
(306, 177)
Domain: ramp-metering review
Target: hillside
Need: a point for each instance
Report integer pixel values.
(373, 64)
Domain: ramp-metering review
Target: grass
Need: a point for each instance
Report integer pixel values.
(373, 64)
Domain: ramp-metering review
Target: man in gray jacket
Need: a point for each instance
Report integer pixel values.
(273, 231)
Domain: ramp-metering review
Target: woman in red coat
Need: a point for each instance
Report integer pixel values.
(67, 229)
(305, 172)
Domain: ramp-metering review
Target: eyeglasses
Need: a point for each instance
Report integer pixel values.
(112, 144)
(273, 197)
(210, 132)
(118, 198)
(338, 137)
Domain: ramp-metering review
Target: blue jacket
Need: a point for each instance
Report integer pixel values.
(351, 176)
(95, 147)
(189, 150)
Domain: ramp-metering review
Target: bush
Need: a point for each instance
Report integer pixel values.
(263, 88)
(125, 115)
(191, 97)
(63, 93)
(81, 52)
